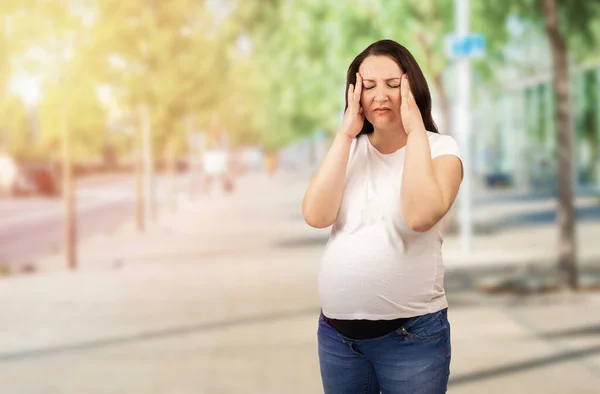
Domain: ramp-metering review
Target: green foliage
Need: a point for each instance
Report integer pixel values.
(169, 62)
(579, 21)
(261, 71)
(15, 129)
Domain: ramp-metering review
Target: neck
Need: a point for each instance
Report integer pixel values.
(388, 140)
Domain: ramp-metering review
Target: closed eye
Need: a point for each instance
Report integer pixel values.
(391, 86)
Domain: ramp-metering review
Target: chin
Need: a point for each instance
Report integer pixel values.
(383, 125)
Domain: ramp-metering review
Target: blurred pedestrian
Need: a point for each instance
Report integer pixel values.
(271, 163)
(385, 185)
(217, 169)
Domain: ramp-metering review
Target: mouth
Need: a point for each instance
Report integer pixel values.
(381, 110)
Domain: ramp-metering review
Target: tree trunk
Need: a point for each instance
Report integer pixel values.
(567, 258)
(172, 175)
(138, 169)
(68, 193)
(70, 222)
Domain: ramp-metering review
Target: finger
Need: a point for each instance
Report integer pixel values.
(404, 88)
(410, 93)
(358, 89)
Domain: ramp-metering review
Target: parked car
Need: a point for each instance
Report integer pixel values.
(19, 179)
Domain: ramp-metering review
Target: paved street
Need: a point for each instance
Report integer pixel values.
(31, 227)
(220, 297)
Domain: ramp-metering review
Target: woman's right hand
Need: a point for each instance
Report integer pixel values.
(354, 118)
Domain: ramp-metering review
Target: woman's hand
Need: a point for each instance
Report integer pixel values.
(411, 115)
(354, 118)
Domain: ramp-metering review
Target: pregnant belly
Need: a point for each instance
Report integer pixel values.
(366, 277)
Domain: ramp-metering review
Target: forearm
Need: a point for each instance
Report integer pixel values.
(422, 199)
(324, 194)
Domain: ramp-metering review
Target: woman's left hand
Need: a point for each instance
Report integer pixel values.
(409, 111)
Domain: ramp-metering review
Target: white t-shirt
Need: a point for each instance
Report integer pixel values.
(375, 266)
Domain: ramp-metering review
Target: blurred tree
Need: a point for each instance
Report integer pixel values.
(14, 129)
(18, 31)
(565, 23)
(302, 49)
(31, 31)
(288, 47)
(427, 24)
(422, 26)
(167, 55)
(87, 120)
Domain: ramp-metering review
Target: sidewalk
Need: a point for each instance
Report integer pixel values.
(220, 297)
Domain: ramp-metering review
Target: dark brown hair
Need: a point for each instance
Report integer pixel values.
(409, 65)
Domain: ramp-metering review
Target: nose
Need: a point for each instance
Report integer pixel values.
(380, 95)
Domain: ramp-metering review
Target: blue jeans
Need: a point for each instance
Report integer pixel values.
(414, 359)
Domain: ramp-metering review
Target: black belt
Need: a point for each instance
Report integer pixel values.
(366, 329)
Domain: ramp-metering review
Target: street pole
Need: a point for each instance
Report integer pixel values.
(462, 126)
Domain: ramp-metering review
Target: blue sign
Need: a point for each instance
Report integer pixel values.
(469, 46)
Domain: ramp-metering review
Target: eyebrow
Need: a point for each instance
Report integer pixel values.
(387, 80)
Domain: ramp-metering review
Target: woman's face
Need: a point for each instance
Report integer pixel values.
(381, 91)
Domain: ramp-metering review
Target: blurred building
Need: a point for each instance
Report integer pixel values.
(514, 132)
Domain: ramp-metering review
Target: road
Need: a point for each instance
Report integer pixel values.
(33, 226)
(222, 297)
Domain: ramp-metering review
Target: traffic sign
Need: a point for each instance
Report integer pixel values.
(467, 46)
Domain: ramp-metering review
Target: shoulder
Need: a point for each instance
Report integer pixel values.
(437, 138)
(443, 144)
